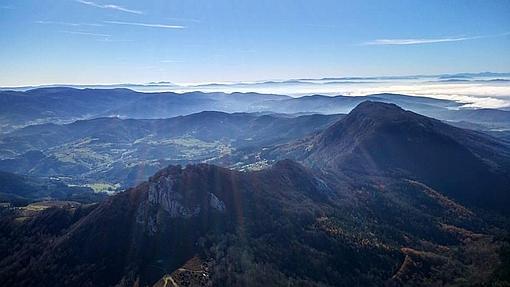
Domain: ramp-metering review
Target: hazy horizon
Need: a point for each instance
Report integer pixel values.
(478, 90)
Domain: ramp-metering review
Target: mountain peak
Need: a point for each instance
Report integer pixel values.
(383, 139)
(378, 110)
(376, 105)
(367, 117)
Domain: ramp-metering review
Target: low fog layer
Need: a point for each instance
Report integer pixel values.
(482, 90)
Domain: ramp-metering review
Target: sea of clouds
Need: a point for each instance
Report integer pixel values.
(472, 93)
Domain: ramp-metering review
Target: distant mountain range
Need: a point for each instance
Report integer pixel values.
(465, 76)
(382, 196)
(64, 105)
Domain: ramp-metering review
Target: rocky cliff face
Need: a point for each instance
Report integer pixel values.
(162, 195)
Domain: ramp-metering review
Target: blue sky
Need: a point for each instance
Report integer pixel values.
(120, 41)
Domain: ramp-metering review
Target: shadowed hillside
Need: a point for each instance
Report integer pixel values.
(381, 139)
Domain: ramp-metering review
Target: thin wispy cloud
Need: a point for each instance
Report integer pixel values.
(109, 6)
(164, 26)
(68, 23)
(86, 33)
(382, 42)
(420, 41)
